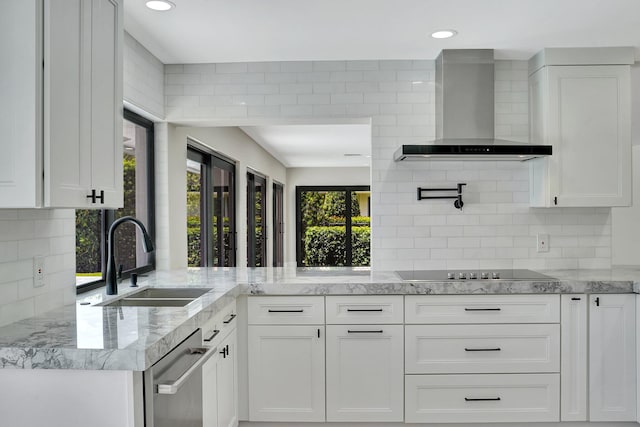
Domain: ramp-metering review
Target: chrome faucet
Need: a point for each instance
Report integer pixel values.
(147, 245)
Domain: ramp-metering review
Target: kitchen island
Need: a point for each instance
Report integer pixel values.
(87, 338)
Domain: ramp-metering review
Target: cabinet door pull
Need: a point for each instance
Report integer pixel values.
(363, 309)
(483, 349)
(597, 301)
(318, 332)
(229, 319)
(481, 399)
(482, 309)
(575, 299)
(555, 200)
(213, 335)
(224, 353)
(285, 311)
(95, 197)
(365, 332)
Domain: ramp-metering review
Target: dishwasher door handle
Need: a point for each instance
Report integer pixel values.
(172, 387)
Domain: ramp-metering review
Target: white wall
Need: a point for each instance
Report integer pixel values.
(497, 228)
(143, 80)
(26, 233)
(171, 158)
(314, 176)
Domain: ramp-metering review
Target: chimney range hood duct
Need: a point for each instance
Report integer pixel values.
(464, 114)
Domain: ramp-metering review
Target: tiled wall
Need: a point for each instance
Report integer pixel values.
(497, 228)
(143, 78)
(26, 233)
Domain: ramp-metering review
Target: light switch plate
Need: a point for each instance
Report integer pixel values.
(543, 243)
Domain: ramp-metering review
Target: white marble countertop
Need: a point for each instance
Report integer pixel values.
(134, 338)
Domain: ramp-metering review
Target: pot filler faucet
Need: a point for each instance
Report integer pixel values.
(147, 245)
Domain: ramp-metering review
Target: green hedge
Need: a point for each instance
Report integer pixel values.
(325, 246)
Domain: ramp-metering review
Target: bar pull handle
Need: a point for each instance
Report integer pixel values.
(93, 196)
(482, 349)
(365, 332)
(172, 387)
(597, 301)
(482, 309)
(213, 335)
(575, 299)
(229, 319)
(481, 399)
(285, 311)
(363, 309)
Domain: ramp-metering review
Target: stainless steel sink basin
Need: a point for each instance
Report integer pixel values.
(159, 297)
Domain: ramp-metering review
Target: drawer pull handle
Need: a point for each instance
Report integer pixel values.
(365, 332)
(482, 349)
(286, 311)
(482, 309)
(213, 335)
(481, 399)
(229, 319)
(364, 309)
(575, 299)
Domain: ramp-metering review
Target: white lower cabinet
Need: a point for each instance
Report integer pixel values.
(220, 386)
(365, 373)
(573, 366)
(286, 373)
(482, 398)
(612, 357)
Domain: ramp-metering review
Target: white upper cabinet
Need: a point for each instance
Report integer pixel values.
(579, 102)
(61, 102)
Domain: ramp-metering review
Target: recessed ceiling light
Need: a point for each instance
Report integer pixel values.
(160, 5)
(443, 34)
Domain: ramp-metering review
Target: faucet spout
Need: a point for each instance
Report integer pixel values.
(147, 246)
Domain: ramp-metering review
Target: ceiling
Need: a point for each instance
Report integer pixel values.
(315, 145)
(198, 31)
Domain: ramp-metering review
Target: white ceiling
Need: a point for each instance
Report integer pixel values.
(198, 31)
(291, 30)
(315, 145)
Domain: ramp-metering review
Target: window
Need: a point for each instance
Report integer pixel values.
(92, 225)
(278, 225)
(211, 235)
(256, 221)
(333, 226)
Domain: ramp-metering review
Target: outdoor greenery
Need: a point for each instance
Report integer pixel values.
(324, 240)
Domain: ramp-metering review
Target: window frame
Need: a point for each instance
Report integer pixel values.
(278, 224)
(254, 177)
(329, 188)
(109, 216)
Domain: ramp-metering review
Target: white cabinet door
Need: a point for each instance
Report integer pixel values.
(210, 392)
(573, 365)
(83, 104)
(286, 373)
(612, 357)
(227, 382)
(585, 113)
(365, 373)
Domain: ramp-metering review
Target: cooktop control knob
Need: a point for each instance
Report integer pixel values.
(451, 276)
(462, 275)
(484, 275)
(495, 275)
(473, 276)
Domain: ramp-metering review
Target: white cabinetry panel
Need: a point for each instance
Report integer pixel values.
(365, 373)
(573, 366)
(364, 309)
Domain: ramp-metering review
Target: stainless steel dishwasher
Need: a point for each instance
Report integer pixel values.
(173, 386)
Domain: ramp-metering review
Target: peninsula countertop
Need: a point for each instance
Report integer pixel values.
(93, 337)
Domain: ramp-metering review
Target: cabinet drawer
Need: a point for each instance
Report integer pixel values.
(219, 325)
(482, 309)
(440, 349)
(286, 310)
(482, 398)
(347, 310)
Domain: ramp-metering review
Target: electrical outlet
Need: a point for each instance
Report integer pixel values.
(38, 271)
(543, 243)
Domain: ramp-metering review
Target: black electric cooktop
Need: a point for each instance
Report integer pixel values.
(481, 274)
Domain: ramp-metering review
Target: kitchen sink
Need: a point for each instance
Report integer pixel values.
(159, 297)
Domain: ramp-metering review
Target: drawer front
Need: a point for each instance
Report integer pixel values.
(443, 349)
(286, 310)
(482, 398)
(349, 310)
(452, 309)
(220, 325)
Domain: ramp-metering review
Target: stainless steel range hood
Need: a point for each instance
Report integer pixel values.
(465, 114)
